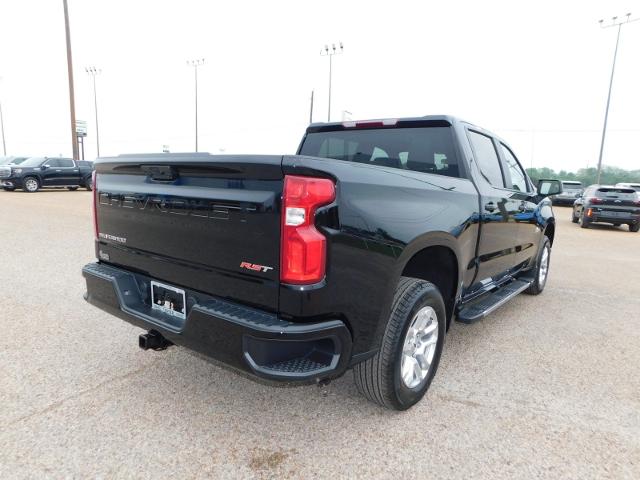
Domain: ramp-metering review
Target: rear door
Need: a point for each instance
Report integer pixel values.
(498, 208)
(67, 172)
(209, 223)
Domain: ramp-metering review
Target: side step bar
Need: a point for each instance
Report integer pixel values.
(490, 302)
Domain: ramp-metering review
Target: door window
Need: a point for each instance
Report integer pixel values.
(518, 178)
(487, 158)
(65, 162)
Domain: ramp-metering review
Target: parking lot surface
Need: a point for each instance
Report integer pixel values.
(546, 386)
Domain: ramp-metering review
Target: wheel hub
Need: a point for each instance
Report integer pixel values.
(419, 347)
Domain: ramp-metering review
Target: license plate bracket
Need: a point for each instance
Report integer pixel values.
(168, 299)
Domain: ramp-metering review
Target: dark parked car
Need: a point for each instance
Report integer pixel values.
(44, 172)
(358, 252)
(606, 204)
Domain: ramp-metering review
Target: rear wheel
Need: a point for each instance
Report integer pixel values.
(72, 189)
(8, 189)
(574, 217)
(399, 375)
(634, 228)
(584, 222)
(30, 184)
(541, 271)
(88, 183)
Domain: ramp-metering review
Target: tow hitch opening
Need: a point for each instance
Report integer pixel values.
(153, 340)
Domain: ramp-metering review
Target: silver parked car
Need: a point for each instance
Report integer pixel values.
(571, 189)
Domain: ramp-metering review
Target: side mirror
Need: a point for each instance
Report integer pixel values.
(549, 187)
(44, 167)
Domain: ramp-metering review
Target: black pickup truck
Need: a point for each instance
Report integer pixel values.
(46, 172)
(357, 252)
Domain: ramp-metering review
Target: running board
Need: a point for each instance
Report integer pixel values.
(487, 304)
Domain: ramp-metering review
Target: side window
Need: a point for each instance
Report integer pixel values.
(487, 158)
(65, 162)
(518, 178)
(53, 162)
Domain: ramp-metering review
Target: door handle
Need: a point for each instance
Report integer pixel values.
(58, 170)
(490, 207)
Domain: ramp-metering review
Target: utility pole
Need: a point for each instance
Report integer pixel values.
(330, 52)
(195, 64)
(93, 71)
(311, 109)
(614, 23)
(4, 145)
(72, 102)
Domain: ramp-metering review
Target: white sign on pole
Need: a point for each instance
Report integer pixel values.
(81, 128)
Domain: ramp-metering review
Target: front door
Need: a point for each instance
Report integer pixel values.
(524, 194)
(498, 227)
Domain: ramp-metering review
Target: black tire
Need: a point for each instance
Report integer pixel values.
(88, 183)
(574, 218)
(634, 228)
(584, 223)
(616, 224)
(540, 281)
(379, 378)
(8, 189)
(72, 189)
(30, 184)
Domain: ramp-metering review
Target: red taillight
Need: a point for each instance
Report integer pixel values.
(303, 251)
(595, 200)
(94, 186)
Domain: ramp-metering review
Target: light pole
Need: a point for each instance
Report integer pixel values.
(93, 71)
(72, 102)
(614, 23)
(4, 145)
(195, 64)
(330, 52)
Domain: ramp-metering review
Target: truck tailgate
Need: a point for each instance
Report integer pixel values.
(204, 222)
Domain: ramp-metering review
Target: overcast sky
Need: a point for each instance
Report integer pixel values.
(535, 72)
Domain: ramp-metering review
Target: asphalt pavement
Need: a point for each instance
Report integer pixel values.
(545, 387)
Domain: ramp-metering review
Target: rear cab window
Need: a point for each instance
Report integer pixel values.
(421, 149)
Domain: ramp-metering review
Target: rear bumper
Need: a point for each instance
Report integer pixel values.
(597, 216)
(244, 338)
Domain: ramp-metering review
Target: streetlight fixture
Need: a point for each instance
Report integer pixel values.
(93, 71)
(330, 52)
(195, 64)
(614, 23)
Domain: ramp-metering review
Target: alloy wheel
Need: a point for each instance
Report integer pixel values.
(419, 347)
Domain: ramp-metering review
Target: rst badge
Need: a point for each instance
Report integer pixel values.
(255, 267)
